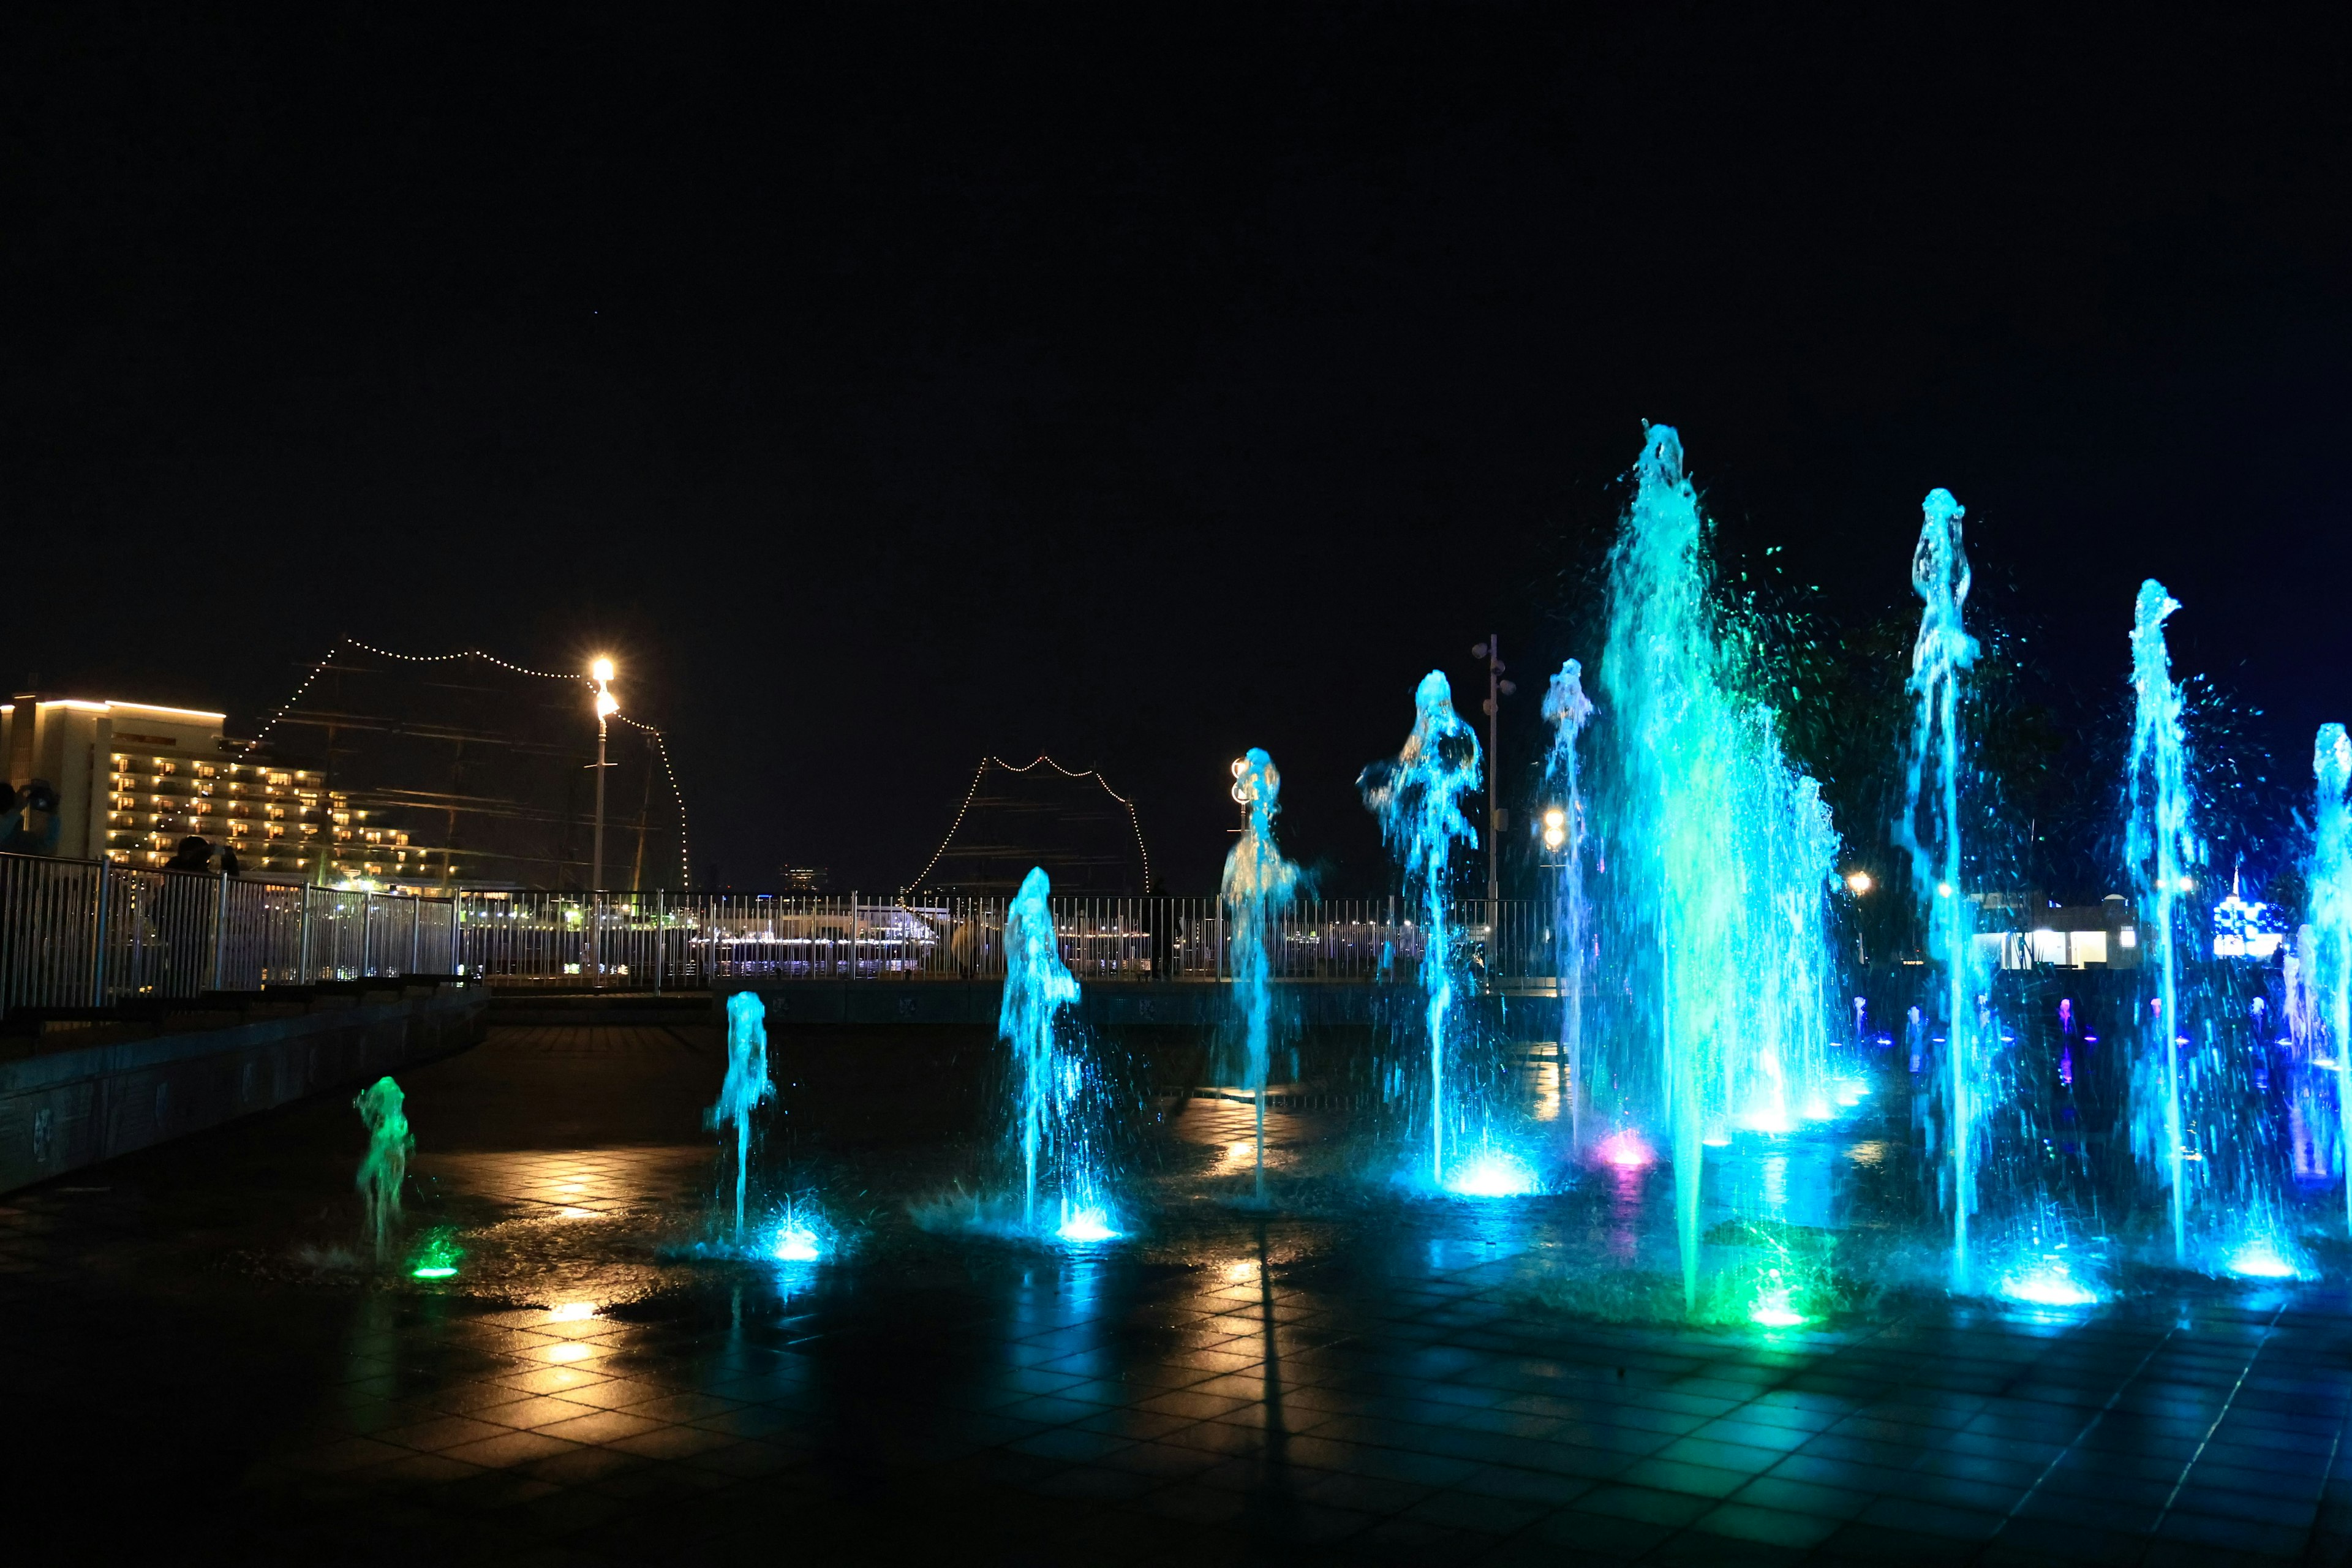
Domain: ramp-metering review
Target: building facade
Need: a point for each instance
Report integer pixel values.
(135, 778)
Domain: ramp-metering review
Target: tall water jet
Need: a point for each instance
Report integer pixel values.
(1257, 883)
(1050, 1083)
(2328, 961)
(747, 1084)
(386, 1166)
(1569, 711)
(1417, 797)
(2159, 846)
(1722, 902)
(1930, 829)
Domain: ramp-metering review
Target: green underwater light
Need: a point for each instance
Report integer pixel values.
(437, 1254)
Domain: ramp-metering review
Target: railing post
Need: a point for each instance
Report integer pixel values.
(661, 939)
(415, 913)
(367, 934)
(302, 975)
(97, 962)
(220, 930)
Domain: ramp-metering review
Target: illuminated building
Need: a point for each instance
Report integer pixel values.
(135, 778)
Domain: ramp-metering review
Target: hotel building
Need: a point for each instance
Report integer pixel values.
(135, 778)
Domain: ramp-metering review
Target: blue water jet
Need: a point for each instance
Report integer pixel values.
(1051, 1089)
(1929, 828)
(2159, 845)
(2327, 957)
(1569, 711)
(747, 1084)
(1417, 798)
(1258, 883)
(1720, 904)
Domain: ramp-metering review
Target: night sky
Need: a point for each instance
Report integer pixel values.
(1138, 384)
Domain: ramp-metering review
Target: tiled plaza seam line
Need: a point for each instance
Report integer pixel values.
(2088, 1427)
(2245, 1372)
(2326, 1478)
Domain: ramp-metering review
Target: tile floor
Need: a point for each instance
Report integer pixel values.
(196, 1367)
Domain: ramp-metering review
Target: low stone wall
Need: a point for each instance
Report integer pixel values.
(61, 1109)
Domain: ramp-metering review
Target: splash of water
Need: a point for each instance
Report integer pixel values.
(1929, 828)
(2159, 846)
(2327, 960)
(1417, 798)
(1568, 709)
(1724, 909)
(1257, 883)
(746, 1084)
(1048, 1082)
(386, 1166)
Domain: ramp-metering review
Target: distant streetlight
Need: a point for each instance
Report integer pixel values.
(1497, 819)
(601, 672)
(1859, 883)
(1555, 829)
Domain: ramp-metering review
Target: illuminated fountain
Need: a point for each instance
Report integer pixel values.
(1568, 709)
(1051, 1113)
(1417, 797)
(2160, 847)
(746, 1086)
(384, 1169)
(1257, 883)
(1719, 906)
(1929, 828)
(2327, 955)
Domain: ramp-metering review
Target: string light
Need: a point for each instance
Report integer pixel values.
(685, 860)
(1133, 821)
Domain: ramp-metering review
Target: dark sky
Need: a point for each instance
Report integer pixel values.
(1137, 384)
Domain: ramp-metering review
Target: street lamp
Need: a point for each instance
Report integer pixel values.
(1859, 883)
(601, 672)
(1555, 829)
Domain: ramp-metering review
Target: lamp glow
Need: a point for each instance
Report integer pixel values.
(1859, 882)
(606, 705)
(602, 669)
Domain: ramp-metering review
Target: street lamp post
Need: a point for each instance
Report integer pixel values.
(601, 672)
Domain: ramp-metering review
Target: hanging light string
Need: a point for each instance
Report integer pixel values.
(660, 745)
(1133, 822)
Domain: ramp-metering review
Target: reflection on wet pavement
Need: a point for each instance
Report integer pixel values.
(1359, 1374)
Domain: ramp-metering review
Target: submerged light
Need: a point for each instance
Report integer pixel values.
(1083, 1225)
(1626, 1151)
(1773, 1309)
(2262, 1260)
(796, 1243)
(1494, 1176)
(2048, 1283)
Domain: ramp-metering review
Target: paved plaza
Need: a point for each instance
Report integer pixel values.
(200, 1362)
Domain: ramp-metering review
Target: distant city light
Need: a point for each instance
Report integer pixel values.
(1859, 882)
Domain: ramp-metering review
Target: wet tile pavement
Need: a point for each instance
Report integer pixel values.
(194, 1368)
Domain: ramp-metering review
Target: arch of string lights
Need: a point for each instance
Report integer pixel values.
(660, 743)
(980, 772)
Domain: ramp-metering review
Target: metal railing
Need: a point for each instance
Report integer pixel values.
(88, 933)
(686, 941)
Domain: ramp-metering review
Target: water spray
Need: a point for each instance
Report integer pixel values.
(1257, 883)
(1417, 797)
(746, 1086)
(385, 1167)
